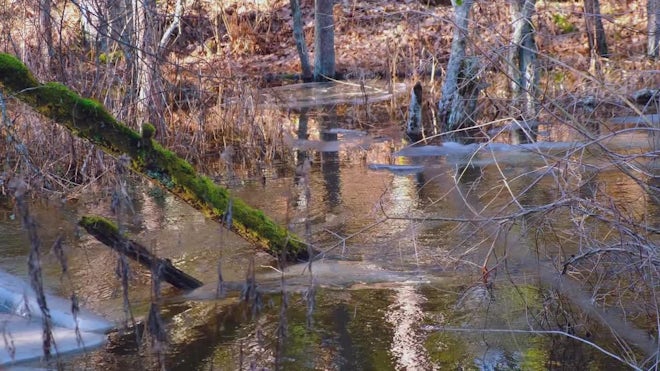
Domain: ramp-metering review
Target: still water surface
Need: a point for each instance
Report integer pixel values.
(401, 284)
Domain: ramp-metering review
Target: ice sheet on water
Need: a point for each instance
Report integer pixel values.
(24, 340)
(21, 323)
(18, 298)
(398, 169)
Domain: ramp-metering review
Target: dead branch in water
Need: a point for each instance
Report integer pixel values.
(106, 232)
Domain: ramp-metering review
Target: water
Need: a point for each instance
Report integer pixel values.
(406, 233)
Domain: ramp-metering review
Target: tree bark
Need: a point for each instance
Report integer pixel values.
(150, 89)
(653, 12)
(324, 40)
(414, 125)
(299, 37)
(453, 109)
(595, 31)
(46, 32)
(90, 120)
(523, 70)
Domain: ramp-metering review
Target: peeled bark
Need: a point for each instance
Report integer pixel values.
(324, 40)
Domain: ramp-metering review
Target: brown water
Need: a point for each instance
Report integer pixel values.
(401, 284)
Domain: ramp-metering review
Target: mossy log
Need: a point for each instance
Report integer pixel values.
(108, 233)
(88, 119)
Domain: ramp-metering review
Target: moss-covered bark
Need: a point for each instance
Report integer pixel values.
(88, 119)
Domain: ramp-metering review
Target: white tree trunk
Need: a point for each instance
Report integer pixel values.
(150, 91)
(653, 12)
(451, 108)
(523, 70)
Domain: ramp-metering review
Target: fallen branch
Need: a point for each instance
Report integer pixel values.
(90, 120)
(108, 233)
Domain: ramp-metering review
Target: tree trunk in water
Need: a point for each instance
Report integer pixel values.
(523, 70)
(653, 11)
(414, 125)
(150, 90)
(324, 40)
(299, 37)
(595, 31)
(460, 85)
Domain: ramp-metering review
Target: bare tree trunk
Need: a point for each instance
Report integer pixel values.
(523, 69)
(46, 32)
(459, 84)
(299, 37)
(595, 31)
(653, 11)
(324, 40)
(150, 91)
(95, 23)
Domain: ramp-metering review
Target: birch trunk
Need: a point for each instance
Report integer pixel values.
(453, 109)
(523, 70)
(150, 90)
(653, 11)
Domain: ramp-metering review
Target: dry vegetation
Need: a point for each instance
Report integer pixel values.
(227, 51)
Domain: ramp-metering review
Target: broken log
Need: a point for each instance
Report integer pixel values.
(88, 119)
(414, 125)
(107, 233)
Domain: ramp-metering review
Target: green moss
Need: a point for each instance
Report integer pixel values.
(564, 25)
(89, 119)
(148, 131)
(15, 75)
(111, 58)
(99, 223)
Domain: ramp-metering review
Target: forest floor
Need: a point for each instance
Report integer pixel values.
(404, 39)
(252, 42)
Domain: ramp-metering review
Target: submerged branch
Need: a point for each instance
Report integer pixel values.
(88, 119)
(108, 233)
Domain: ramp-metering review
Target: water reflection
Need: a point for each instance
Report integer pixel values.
(415, 221)
(405, 315)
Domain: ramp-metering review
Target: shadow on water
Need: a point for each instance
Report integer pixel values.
(426, 268)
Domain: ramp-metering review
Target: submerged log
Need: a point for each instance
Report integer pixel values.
(108, 233)
(88, 119)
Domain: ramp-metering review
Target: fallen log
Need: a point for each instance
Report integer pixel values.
(107, 233)
(88, 119)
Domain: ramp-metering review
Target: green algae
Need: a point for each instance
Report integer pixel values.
(88, 119)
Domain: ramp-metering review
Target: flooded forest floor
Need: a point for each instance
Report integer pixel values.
(499, 253)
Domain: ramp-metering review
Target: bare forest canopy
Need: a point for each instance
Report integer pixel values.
(90, 120)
